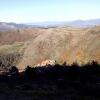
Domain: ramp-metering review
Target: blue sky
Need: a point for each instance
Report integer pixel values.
(26, 11)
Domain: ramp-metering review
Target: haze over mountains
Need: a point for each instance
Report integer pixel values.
(77, 23)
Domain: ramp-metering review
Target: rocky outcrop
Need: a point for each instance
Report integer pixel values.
(46, 63)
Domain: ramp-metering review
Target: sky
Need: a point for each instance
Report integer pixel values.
(28, 11)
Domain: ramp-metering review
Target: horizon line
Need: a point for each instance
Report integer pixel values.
(49, 21)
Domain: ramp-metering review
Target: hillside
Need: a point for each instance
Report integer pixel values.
(79, 45)
(37, 45)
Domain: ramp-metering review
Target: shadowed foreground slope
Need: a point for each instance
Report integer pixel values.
(59, 82)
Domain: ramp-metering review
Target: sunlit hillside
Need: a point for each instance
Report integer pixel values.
(36, 45)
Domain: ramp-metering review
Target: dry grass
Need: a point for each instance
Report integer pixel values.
(64, 44)
(60, 44)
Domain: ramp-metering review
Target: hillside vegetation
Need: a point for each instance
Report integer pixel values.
(64, 44)
(68, 44)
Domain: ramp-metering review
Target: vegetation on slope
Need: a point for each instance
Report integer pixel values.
(63, 44)
(69, 44)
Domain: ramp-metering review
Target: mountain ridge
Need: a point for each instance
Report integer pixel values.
(76, 23)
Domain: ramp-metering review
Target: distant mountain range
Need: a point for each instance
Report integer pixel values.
(9, 26)
(84, 23)
(77, 23)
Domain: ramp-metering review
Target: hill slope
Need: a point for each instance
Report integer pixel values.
(63, 44)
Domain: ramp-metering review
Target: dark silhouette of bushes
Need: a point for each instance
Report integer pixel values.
(57, 71)
(87, 73)
(13, 71)
(58, 81)
(30, 73)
